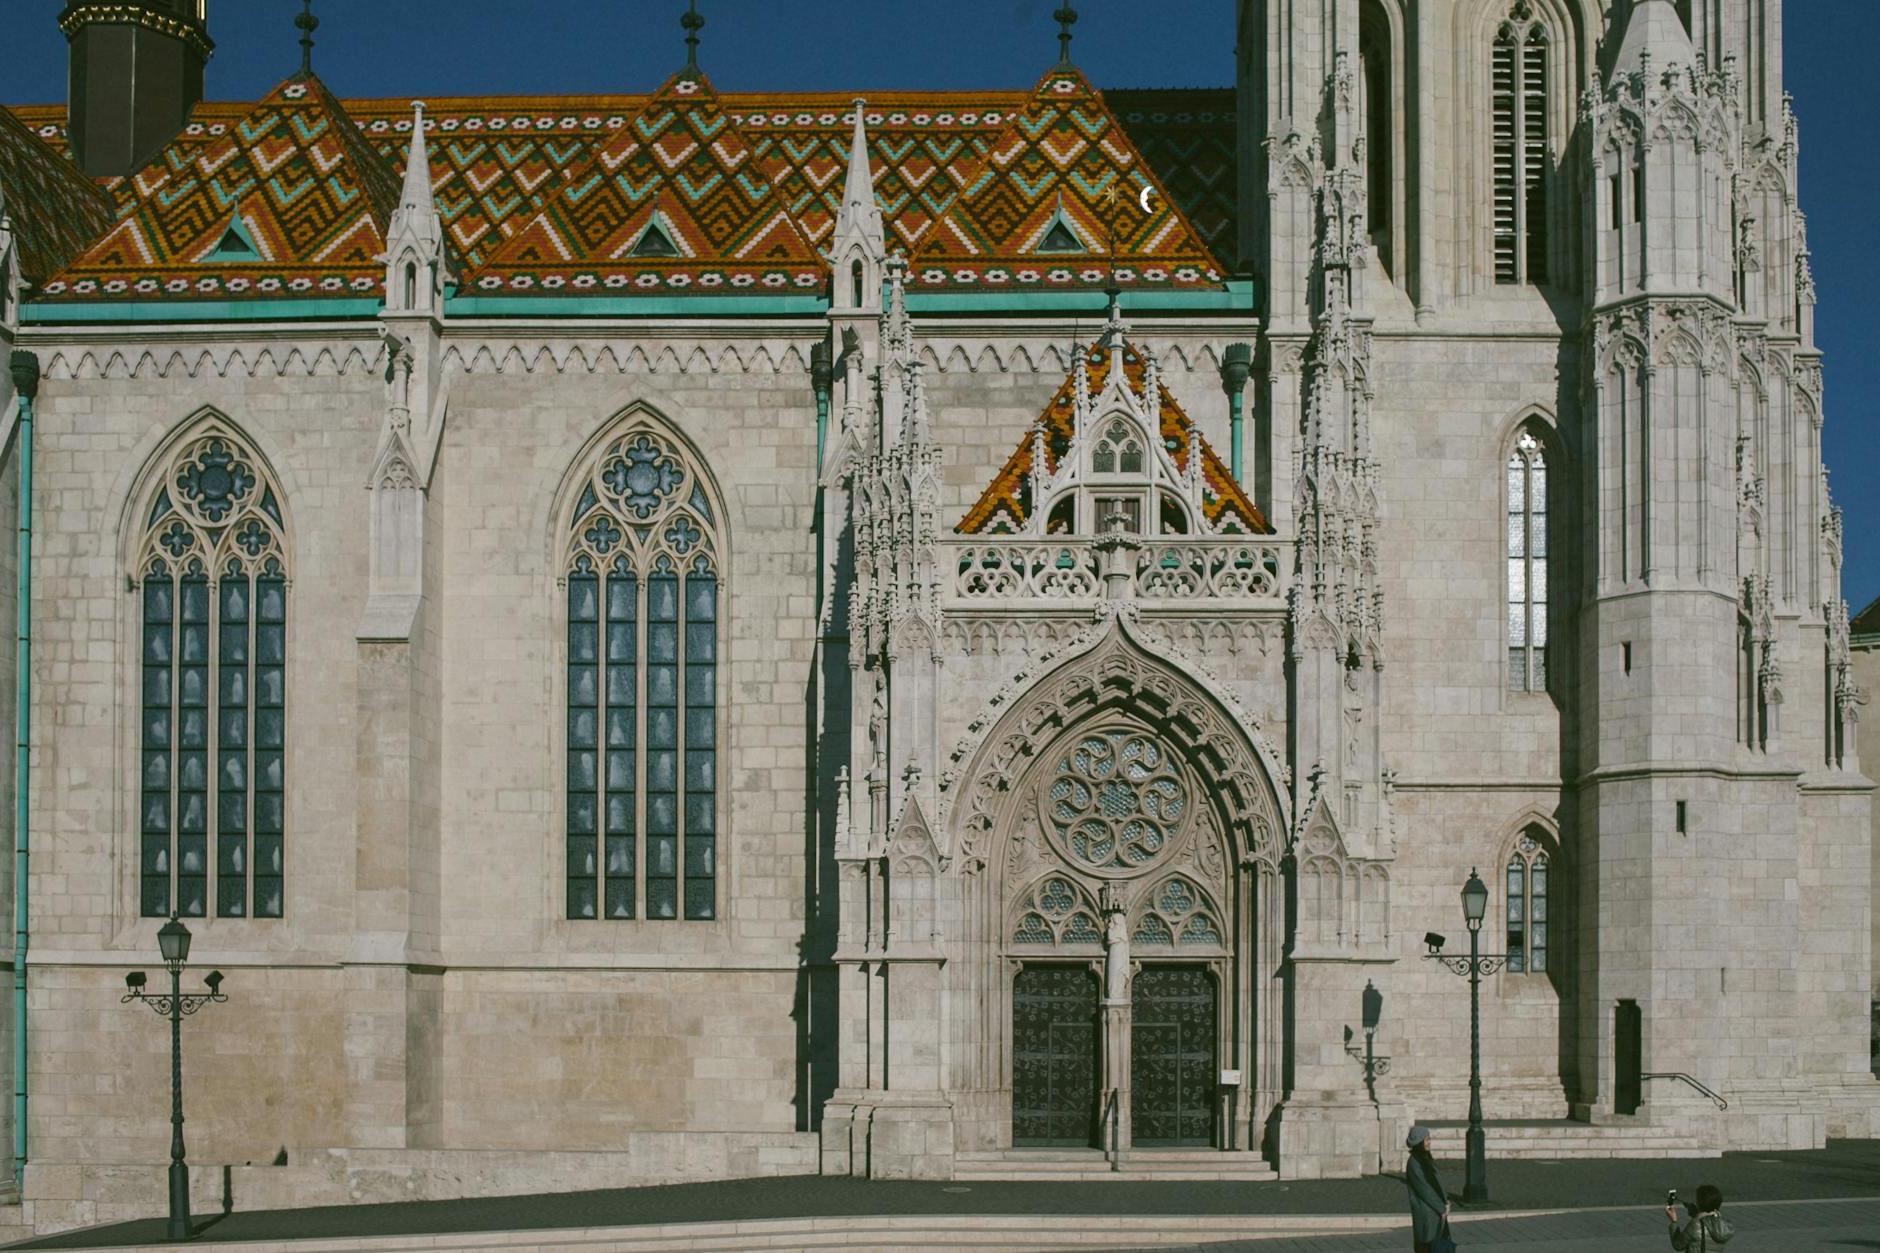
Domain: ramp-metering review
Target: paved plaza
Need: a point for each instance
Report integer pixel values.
(1826, 1199)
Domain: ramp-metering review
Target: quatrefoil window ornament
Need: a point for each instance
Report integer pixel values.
(603, 535)
(683, 536)
(215, 481)
(1116, 802)
(252, 538)
(642, 476)
(177, 539)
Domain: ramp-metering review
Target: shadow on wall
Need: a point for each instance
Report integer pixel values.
(1873, 1040)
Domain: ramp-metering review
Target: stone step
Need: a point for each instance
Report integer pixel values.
(1563, 1140)
(1172, 1164)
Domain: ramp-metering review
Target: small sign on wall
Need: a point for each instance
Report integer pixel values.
(1230, 1078)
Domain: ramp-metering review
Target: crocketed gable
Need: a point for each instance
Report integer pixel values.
(1006, 503)
(683, 163)
(56, 211)
(1060, 180)
(304, 195)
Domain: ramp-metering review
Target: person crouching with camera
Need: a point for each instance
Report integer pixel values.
(1704, 1227)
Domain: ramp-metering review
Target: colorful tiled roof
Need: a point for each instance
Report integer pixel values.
(294, 177)
(1189, 136)
(680, 165)
(1006, 503)
(1063, 171)
(56, 211)
(498, 162)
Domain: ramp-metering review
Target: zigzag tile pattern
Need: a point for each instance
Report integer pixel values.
(312, 193)
(922, 147)
(680, 158)
(1006, 502)
(56, 211)
(499, 161)
(1063, 159)
(1188, 137)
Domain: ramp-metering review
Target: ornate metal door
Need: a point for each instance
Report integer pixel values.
(1054, 1056)
(1172, 1056)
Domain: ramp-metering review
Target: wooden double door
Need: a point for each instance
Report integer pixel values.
(1057, 1060)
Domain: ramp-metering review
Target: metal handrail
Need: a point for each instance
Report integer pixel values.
(1684, 1078)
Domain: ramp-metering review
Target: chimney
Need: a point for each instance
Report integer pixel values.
(136, 72)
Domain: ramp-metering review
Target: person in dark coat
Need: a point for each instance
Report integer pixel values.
(1429, 1203)
(1706, 1228)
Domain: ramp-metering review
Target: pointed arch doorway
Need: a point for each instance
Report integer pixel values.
(1130, 913)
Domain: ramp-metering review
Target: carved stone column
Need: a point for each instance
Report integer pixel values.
(1116, 1023)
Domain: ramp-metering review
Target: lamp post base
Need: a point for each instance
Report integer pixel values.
(1475, 1176)
(179, 1201)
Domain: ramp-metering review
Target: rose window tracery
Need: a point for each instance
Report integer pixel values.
(1116, 802)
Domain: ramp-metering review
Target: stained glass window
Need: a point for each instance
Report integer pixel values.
(643, 592)
(1527, 566)
(1527, 907)
(213, 655)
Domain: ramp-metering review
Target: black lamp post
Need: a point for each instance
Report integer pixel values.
(1475, 965)
(173, 943)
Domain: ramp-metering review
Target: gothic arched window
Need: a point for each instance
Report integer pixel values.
(1527, 565)
(643, 588)
(212, 574)
(1527, 885)
(1518, 105)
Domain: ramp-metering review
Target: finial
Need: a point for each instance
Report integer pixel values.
(1066, 17)
(692, 23)
(307, 24)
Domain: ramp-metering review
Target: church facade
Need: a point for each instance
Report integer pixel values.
(699, 634)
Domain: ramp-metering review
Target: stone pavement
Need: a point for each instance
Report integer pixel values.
(1789, 1226)
(1621, 1197)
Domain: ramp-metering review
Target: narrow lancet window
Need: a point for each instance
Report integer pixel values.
(1527, 565)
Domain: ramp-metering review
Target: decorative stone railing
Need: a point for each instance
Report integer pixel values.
(1231, 571)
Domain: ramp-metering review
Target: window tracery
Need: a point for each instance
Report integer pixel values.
(643, 598)
(1175, 914)
(1116, 801)
(212, 582)
(1058, 912)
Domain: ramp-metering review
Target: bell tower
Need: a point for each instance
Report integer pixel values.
(136, 72)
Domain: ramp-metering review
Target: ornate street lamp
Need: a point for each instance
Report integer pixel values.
(1475, 965)
(173, 943)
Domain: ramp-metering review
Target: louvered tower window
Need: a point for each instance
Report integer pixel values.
(1518, 88)
(643, 597)
(1527, 565)
(212, 589)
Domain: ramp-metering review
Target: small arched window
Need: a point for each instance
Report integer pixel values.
(1527, 883)
(212, 581)
(1518, 107)
(855, 284)
(1527, 565)
(1119, 451)
(643, 598)
(1374, 54)
(411, 285)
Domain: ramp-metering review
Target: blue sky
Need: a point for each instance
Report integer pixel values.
(415, 48)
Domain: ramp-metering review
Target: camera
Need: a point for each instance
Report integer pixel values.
(1671, 1197)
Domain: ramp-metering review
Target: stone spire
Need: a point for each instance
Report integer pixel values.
(414, 239)
(860, 215)
(858, 248)
(1655, 37)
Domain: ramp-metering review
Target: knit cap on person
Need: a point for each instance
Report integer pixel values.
(1419, 1135)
